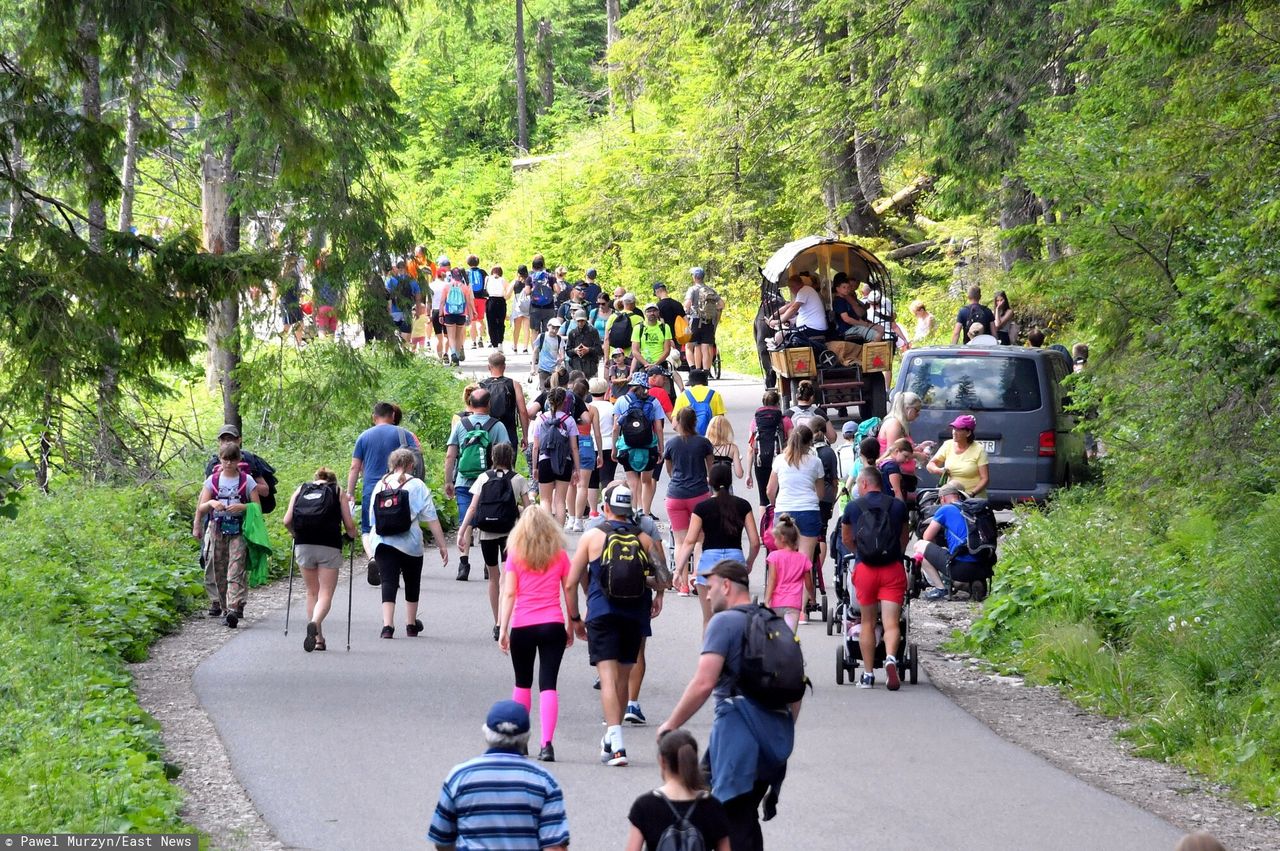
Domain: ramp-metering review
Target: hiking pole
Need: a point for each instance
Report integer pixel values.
(351, 584)
(289, 603)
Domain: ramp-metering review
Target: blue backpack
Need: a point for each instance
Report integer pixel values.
(477, 278)
(702, 409)
(455, 301)
(541, 295)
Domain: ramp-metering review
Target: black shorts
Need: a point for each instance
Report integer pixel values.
(702, 333)
(494, 551)
(291, 314)
(450, 319)
(546, 475)
(824, 511)
(403, 325)
(614, 638)
(436, 325)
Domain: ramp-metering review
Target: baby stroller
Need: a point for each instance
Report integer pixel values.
(835, 545)
(849, 653)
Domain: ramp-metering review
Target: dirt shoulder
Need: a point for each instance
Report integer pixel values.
(1041, 720)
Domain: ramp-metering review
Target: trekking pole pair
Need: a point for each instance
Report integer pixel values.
(351, 569)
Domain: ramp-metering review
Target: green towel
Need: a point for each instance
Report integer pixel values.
(255, 535)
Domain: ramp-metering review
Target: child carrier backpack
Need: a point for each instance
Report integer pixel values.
(455, 301)
(878, 543)
(772, 670)
(702, 409)
(496, 510)
(636, 429)
(316, 513)
(768, 435)
(230, 523)
(554, 442)
(473, 450)
(625, 567)
(391, 515)
(980, 521)
(680, 835)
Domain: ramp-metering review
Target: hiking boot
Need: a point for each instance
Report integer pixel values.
(215, 611)
(547, 754)
(239, 610)
(413, 630)
(388, 631)
(231, 620)
(891, 681)
(867, 681)
(634, 715)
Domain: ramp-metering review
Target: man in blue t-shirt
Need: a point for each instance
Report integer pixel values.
(937, 557)
(403, 293)
(369, 459)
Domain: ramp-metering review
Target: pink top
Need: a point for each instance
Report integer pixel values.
(538, 594)
(792, 568)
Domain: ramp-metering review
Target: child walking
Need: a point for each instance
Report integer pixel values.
(790, 580)
(224, 499)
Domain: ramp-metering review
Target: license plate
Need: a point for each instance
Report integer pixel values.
(992, 447)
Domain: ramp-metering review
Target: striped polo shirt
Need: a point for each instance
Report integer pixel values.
(501, 800)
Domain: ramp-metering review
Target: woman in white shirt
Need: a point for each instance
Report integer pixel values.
(796, 486)
(495, 312)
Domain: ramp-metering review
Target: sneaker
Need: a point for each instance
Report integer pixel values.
(231, 620)
(413, 630)
(309, 643)
(684, 590)
(215, 611)
(867, 681)
(547, 754)
(891, 681)
(936, 594)
(634, 715)
(596, 685)
(609, 756)
(388, 631)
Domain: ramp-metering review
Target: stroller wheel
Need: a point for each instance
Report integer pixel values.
(830, 626)
(840, 665)
(915, 664)
(826, 610)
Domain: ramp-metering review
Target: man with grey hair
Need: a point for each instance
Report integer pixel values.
(501, 799)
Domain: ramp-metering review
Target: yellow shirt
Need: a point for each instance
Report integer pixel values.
(962, 467)
(700, 393)
(422, 325)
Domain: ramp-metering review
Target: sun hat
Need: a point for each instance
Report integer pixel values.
(951, 488)
(650, 306)
(639, 379)
(580, 315)
(556, 321)
(229, 429)
(849, 428)
(965, 421)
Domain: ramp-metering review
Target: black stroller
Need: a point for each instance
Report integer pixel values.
(849, 654)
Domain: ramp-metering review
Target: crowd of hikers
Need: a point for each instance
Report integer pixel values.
(595, 440)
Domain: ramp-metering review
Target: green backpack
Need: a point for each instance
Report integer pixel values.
(473, 450)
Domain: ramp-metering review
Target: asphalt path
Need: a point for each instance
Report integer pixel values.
(347, 750)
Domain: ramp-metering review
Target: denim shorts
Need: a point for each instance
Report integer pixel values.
(711, 557)
(808, 522)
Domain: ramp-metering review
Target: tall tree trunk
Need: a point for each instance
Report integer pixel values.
(612, 13)
(522, 106)
(1052, 247)
(546, 65)
(1018, 207)
(15, 194)
(132, 129)
(848, 213)
(221, 232)
(869, 154)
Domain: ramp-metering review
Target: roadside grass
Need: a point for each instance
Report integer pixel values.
(94, 574)
(1166, 618)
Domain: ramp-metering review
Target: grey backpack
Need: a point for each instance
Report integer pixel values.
(680, 835)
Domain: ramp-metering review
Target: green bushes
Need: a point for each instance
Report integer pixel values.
(1171, 621)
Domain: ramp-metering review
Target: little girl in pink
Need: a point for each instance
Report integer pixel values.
(790, 578)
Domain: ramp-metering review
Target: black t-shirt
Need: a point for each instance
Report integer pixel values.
(651, 815)
(573, 406)
(713, 535)
(668, 310)
(840, 306)
(972, 313)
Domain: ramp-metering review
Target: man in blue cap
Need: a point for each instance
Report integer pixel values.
(501, 799)
(593, 288)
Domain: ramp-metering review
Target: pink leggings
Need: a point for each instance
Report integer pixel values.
(680, 510)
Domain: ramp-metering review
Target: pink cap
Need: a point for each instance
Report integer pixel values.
(965, 421)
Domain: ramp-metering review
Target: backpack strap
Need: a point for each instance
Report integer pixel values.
(467, 423)
(242, 488)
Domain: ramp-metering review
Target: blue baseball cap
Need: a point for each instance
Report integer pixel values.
(508, 718)
(849, 428)
(698, 272)
(659, 286)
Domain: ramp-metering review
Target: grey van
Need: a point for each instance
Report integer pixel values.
(1017, 397)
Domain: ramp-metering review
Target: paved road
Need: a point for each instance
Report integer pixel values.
(347, 750)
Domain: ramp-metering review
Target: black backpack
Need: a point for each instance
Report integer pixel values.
(620, 332)
(772, 669)
(419, 465)
(391, 514)
(680, 835)
(502, 396)
(636, 428)
(316, 513)
(496, 510)
(981, 523)
(878, 542)
(625, 566)
(768, 435)
(830, 471)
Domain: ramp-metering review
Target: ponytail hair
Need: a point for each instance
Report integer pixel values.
(806, 391)
(678, 750)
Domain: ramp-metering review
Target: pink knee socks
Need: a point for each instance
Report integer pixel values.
(548, 712)
(523, 696)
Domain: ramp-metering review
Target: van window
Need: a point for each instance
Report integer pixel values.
(984, 383)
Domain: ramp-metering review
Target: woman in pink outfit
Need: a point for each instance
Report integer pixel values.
(534, 581)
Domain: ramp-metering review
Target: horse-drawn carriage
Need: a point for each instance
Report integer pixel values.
(849, 372)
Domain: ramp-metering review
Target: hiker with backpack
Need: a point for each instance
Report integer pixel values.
(637, 437)
(478, 281)
(506, 400)
(651, 344)
(687, 456)
(457, 306)
(621, 332)
(874, 527)
(752, 665)
(555, 451)
(769, 432)
(224, 500)
(401, 503)
(716, 525)
(584, 346)
(806, 408)
(317, 515)
(549, 352)
(369, 460)
(705, 305)
(403, 293)
(590, 458)
(498, 497)
(520, 306)
(624, 594)
(725, 451)
(531, 624)
(680, 815)
(599, 390)
(468, 453)
(542, 295)
(261, 471)
(945, 551)
(705, 402)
